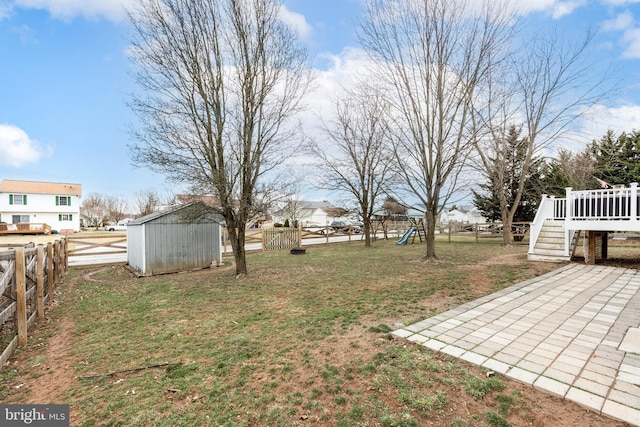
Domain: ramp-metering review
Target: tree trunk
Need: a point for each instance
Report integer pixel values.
(430, 237)
(507, 215)
(367, 232)
(507, 236)
(237, 238)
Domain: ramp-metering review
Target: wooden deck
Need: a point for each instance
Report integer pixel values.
(24, 228)
(595, 212)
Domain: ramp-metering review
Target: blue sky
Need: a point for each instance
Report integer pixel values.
(64, 79)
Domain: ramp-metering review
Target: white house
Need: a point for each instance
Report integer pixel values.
(470, 215)
(52, 203)
(310, 213)
(320, 213)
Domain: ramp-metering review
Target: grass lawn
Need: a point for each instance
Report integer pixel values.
(302, 340)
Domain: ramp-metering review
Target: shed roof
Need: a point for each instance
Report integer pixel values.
(37, 187)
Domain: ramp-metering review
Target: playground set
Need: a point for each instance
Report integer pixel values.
(416, 227)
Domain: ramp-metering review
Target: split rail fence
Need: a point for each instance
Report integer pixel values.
(28, 276)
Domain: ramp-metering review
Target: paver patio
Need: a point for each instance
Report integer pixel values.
(572, 332)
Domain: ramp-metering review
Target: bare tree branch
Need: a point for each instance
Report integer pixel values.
(221, 80)
(357, 161)
(432, 55)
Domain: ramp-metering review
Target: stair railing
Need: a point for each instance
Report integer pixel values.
(546, 210)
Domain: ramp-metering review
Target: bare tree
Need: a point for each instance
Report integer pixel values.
(117, 208)
(357, 161)
(392, 208)
(221, 80)
(580, 168)
(94, 210)
(432, 55)
(545, 90)
(291, 209)
(147, 202)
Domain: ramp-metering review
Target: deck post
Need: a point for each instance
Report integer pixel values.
(634, 202)
(591, 244)
(568, 216)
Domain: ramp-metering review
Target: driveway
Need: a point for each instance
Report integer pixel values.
(573, 333)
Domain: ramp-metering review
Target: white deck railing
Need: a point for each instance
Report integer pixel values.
(603, 210)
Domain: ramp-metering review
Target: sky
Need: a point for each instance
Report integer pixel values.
(65, 80)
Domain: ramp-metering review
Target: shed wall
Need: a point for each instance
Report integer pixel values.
(175, 247)
(136, 247)
(169, 243)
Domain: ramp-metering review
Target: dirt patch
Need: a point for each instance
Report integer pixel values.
(48, 380)
(45, 368)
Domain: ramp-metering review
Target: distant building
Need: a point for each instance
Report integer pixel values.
(469, 215)
(312, 213)
(52, 203)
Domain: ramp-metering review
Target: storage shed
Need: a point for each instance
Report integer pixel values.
(174, 240)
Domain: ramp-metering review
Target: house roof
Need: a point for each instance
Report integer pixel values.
(315, 205)
(171, 210)
(190, 198)
(36, 187)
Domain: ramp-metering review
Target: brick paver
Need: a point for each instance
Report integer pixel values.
(559, 332)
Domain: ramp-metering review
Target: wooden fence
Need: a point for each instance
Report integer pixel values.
(110, 244)
(281, 238)
(28, 275)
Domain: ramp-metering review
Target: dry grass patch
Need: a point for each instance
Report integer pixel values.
(302, 340)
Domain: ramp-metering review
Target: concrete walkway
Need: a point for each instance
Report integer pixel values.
(572, 332)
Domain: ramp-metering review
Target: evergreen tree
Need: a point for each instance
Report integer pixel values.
(508, 170)
(617, 160)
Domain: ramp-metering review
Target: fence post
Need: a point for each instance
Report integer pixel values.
(50, 270)
(475, 229)
(57, 269)
(326, 233)
(21, 296)
(263, 242)
(40, 280)
(299, 234)
(225, 235)
(65, 252)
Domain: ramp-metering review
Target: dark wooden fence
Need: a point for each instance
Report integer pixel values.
(28, 276)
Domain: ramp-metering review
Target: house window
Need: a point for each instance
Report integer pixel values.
(16, 219)
(17, 199)
(63, 200)
(65, 217)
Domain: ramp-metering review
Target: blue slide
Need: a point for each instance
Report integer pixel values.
(406, 236)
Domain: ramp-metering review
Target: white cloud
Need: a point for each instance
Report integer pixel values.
(17, 148)
(622, 22)
(295, 21)
(524, 7)
(566, 8)
(67, 9)
(5, 9)
(625, 23)
(345, 69)
(619, 2)
(600, 119)
(631, 39)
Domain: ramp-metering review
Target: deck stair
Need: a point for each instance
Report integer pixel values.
(550, 243)
(556, 228)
